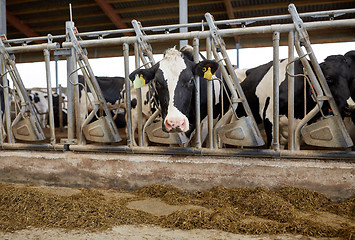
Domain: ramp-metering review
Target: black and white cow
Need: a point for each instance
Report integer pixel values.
(56, 110)
(111, 88)
(257, 86)
(173, 78)
(40, 103)
(39, 100)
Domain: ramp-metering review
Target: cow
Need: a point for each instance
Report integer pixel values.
(111, 88)
(56, 110)
(258, 82)
(173, 78)
(40, 103)
(39, 100)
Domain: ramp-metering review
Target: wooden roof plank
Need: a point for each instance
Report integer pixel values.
(114, 17)
(19, 25)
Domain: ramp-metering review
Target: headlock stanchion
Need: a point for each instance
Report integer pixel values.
(26, 125)
(330, 131)
(153, 129)
(244, 130)
(103, 129)
(230, 129)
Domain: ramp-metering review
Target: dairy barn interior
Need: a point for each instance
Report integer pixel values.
(230, 152)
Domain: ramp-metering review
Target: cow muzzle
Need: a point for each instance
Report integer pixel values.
(176, 125)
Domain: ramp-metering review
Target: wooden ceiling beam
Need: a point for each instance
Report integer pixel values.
(298, 3)
(230, 12)
(112, 15)
(19, 25)
(54, 8)
(151, 7)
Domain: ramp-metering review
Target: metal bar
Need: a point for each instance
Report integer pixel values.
(291, 92)
(139, 99)
(32, 48)
(60, 108)
(56, 58)
(10, 136)
(183, 19)
(276, 91)
(128, 93)
(3, 17)
(25, 146)
(209, 99)
(198, 144)
(145, 47)
(190, 25)
(50, 97)
(71, 66)
(317, 89)
(282, 28)
(258, 153)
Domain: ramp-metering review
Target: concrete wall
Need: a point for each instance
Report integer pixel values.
(130, 171)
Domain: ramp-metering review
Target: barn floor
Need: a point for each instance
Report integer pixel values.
(163, 212)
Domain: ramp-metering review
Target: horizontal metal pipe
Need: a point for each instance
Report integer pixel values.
(32, 48)
(38, 147)
(261, 153)
(347, 23)
(190, 25)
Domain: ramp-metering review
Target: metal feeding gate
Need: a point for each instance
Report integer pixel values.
(103, 129)
(330, 131)
(26, 125)
(244, 130)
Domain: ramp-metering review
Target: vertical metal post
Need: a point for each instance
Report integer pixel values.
(183, 19)
(197, 100)
(3, 17)
(50, 97)
(128, 93)
(56, 58)
(60, 108)
(276, 42)
(71, 66)
(237, 47)
(2, 69)
(139, 98)
(5, 83)
(209, 98)
(291, 92)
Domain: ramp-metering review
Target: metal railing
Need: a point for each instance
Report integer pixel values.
(103, 40)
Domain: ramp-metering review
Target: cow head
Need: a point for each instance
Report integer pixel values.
(338, 72)
(173, 78)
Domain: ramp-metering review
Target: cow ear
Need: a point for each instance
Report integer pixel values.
(206, 68)
(145, 75)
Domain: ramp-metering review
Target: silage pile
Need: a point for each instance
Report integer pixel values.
(237, 210)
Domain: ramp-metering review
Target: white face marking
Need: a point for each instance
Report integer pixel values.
(217, 89)
(350, 102)
(172, 65)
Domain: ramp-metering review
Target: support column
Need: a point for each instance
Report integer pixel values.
(3, 17)
(183, 19)
(275, 127)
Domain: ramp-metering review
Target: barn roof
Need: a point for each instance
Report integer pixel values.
(27, 18)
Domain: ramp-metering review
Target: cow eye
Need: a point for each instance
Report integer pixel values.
(191, 82)
(329, 79)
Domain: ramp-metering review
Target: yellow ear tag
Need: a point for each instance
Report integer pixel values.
(208, 74)
(139, 81)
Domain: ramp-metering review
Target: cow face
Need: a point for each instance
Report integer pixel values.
(173, 78)
(337, 72)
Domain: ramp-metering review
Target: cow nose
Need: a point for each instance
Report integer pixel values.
(175, 125)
